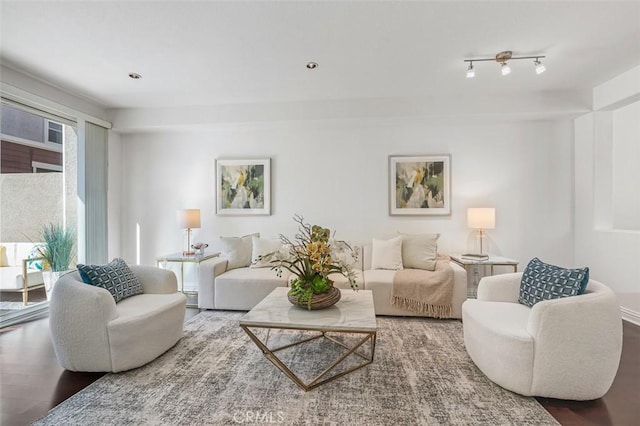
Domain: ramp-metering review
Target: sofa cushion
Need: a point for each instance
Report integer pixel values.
(419, 251)
(496, 339)
(243, 288)
(11, 278)
(387, 254)
(146, 305)
(116, 277)
(254, 275)
(340, 281)
(263, 247)
(237, 250)
(541, 281)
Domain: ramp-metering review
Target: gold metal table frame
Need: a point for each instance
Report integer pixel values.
(320, 379)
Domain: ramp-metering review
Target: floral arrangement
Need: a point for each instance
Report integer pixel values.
(311, 257)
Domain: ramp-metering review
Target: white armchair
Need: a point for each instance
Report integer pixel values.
(567, 348)
(90, 332)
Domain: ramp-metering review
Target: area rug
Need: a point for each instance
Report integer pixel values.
(215, 375)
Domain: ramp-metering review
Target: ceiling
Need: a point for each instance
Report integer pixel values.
(222, 53)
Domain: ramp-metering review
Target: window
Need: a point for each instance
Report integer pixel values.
(39, 167)
(54, 132)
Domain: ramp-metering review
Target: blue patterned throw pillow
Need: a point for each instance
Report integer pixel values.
(116, 277)
(541, 281)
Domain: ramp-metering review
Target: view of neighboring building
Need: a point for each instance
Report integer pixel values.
(30, 143)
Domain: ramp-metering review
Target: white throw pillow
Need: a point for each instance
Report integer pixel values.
(387, 254)
(419, 251)
(237, 250)
(262, 247)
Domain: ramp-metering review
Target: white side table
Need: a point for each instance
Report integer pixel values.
(472, 264)
(180, 258)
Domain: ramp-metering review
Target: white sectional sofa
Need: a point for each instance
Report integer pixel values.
(242, 288)
(16, 275)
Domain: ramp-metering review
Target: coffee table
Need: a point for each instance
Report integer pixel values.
(353, 314)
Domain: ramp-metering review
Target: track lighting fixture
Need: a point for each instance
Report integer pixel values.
(502, 59)
(471, 72)
(505, 69)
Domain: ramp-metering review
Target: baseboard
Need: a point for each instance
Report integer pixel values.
(630, 315)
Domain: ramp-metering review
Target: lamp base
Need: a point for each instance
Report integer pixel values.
(188, 251)
(481, 241)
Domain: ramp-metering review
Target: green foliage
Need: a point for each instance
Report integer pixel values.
(58, 246)
(305, 290)
(312, 256)
(256, 185)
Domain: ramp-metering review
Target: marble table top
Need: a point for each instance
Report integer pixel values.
(354, 312)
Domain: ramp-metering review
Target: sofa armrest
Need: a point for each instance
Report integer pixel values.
(587, 313)
(208, 270)
(78, 318)
(25, 272)
(155, 280)
(500, 288)
(591, 325)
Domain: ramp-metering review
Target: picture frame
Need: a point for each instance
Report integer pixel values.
(419, 185)
(243, 187)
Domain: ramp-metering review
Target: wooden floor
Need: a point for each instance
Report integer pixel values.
(32, 382)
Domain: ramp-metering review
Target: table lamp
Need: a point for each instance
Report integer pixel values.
(188, 219)
(481, 218)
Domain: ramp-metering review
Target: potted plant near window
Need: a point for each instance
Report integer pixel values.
(57, 251)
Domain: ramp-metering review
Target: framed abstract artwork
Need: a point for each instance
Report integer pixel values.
(420, 185)
(243, 187)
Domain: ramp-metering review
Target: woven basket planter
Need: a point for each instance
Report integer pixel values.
(318, 301)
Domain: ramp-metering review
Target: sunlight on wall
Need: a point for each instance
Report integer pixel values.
(137, 243)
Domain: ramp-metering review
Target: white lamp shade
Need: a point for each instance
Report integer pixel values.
(481, 218)
(188, 218)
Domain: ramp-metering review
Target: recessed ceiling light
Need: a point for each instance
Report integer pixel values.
(312, 65)
(135, 75)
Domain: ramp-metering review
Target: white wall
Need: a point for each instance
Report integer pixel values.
(611, 254)
(626, 167)
(335, 174)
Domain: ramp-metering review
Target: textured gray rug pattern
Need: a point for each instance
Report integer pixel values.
(215, 375)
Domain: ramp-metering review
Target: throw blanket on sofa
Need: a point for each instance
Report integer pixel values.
(425, 292)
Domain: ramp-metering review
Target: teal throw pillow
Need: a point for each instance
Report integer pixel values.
(541, 281)
(35, 254)
(116, 277)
